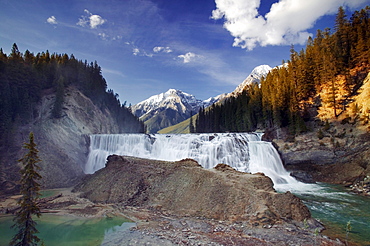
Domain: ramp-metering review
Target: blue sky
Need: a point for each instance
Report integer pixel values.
(145, 47)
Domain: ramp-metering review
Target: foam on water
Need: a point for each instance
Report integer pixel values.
(242, 151)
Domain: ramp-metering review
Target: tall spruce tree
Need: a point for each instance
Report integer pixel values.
(30, 188)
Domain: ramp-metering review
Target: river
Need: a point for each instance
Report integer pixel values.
(60, 230)
(332, 205)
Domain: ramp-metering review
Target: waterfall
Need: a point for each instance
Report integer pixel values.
(242, 151)
(265, 158)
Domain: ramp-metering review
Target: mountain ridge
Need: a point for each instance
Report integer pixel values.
(179, 105)
(169, 108)
(254, 77)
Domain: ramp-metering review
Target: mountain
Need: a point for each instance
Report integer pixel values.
(254, 77)
(174, 106)
(169, 108)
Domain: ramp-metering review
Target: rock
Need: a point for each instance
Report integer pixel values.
(303, 177)
(184, 188)
(340, 156)
(62, 143)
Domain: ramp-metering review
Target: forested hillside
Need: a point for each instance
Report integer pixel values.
(319, 82)
(25, 78)
(62, 100)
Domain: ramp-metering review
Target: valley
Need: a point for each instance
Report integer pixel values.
(281, 160)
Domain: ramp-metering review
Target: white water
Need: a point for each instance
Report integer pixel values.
(242, 151)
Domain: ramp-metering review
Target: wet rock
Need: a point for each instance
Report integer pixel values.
(362, 186)
(303, 177)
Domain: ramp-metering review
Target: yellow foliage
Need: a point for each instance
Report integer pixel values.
(360, 107)
(332, 94)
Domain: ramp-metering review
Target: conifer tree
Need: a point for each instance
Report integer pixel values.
(30, 187)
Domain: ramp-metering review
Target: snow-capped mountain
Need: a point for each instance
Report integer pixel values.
(169, 108)
(254, 77)
(208, 102)
(174, 106)
(174, 99)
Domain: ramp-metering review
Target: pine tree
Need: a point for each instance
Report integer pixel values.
(30, 193)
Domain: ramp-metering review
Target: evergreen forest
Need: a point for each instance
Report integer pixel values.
(317, 82)
(25, 78)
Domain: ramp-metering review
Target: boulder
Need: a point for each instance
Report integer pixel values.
(184, 188)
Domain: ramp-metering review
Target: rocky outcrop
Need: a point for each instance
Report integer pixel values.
(186, 189)
(335, 152)
(62, 142)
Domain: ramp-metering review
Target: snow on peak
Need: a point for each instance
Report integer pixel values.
(185, 103)
(254, 77)
(260, 71)
(172, 91)
(175, 99)
(208, 102)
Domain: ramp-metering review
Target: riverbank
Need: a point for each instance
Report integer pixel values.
(159, 227)
(63, 202)
(335, 152)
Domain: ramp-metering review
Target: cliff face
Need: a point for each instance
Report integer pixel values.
(336, 149)
(62, 143)
(335, 152)
(184, 188)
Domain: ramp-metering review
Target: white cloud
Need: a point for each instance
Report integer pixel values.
(162, 49)
(52, 20)
(135, 51)
(286, 22)
(189, 57)
(103, 36)
(138, 52)
(93, 21)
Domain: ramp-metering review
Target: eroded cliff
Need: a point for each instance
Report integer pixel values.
(62, 142)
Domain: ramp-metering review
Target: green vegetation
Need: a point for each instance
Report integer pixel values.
(328, 73)
(25, 78)
(30, 188)
(180, 128)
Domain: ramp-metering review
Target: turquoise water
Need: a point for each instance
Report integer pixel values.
(68, 230)
(335, 206)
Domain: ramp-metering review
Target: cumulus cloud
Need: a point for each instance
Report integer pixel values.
(52, 20)
(159, 49)
(189, 57)
(91, 20)
(286, 22)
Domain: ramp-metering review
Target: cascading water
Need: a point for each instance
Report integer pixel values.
(242, 151)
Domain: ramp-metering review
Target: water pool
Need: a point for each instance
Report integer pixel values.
(68, 230)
